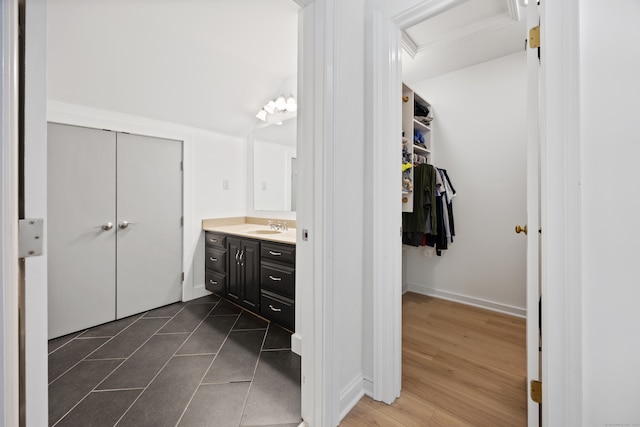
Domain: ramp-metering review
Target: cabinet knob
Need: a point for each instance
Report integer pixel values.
(521, 229)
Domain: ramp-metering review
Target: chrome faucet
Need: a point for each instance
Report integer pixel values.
(278, 226)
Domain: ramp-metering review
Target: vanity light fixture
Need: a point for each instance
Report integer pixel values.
(262, 115)
(292, 105)
(281, 103)
(278, 106)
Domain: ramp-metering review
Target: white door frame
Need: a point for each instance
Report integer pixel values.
(561, 214)
(9, 357)
(561, 285)
(533, 220)
(316, 75)
(35, 206)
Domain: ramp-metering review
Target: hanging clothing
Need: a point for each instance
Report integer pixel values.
(424, 176)
(431, 222)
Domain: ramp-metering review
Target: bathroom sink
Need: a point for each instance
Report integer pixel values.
(266, 231)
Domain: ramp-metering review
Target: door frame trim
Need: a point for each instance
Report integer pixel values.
(9, 369)
(561, 213)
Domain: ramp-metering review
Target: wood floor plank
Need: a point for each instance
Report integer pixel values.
(408, 409)
(461, 366)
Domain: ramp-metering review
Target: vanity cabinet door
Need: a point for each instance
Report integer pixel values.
(250, 264)
(244, 272)
(233, 251)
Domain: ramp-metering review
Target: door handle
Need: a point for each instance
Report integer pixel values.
(521, 229)
(106, 226)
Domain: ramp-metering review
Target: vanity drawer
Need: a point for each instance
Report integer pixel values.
(215, 240)
(215, 259)
(279, 309)
(215, 282)
(278, 278)
(277, 252)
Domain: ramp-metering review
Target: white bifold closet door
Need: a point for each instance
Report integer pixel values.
(114, 222)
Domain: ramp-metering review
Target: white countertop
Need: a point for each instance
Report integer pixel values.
(255, 231)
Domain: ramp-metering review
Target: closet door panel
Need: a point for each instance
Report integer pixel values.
(81, 254)
(149, 234)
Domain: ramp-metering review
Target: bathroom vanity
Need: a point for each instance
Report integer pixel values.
(253, 265)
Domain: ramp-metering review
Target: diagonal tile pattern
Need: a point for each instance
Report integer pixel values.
(206, 362)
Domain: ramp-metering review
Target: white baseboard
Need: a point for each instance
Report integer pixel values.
(368, 386)
(296, 344)
(464, 299)
(197, 292)
(350, 395)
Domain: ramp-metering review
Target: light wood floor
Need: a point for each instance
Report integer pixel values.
(461, 366)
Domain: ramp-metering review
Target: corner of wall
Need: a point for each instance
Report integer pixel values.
(350, 395)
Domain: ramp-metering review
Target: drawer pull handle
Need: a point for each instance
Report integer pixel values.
(275, 253)
(213, 282)
(213, 240)
(213, 259)
(274, 309)
(275, 279)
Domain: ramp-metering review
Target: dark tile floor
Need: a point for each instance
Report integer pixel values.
(202, 363)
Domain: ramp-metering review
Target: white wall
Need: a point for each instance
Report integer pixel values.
(610, 91)
(479, 136)
(208, 157)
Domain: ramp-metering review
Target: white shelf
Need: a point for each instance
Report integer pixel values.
(420, 149)
(421, 125)
(409, 125)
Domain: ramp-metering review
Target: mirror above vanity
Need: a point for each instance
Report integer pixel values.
(274, 167)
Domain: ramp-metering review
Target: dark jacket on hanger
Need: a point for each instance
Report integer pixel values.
(424, 201)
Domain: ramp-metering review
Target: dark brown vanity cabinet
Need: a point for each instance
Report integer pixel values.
(255, 274)
(277, 283)
(244, 272)
(215, 261)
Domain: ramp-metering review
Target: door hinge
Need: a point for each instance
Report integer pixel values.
(536, 391)
(181, 165)
(30, 237)
(182, 277)
(182, 220)
(534, 37)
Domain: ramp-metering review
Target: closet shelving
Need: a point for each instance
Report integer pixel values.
(414, 150)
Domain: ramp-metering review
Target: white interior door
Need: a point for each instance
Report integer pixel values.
(81, 245)
(533, 220)
(149, 238)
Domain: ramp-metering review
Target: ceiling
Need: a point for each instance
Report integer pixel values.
(466, 33)
(212, 65)
(201, 63)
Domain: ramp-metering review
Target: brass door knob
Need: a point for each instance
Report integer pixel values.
(521, 229)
